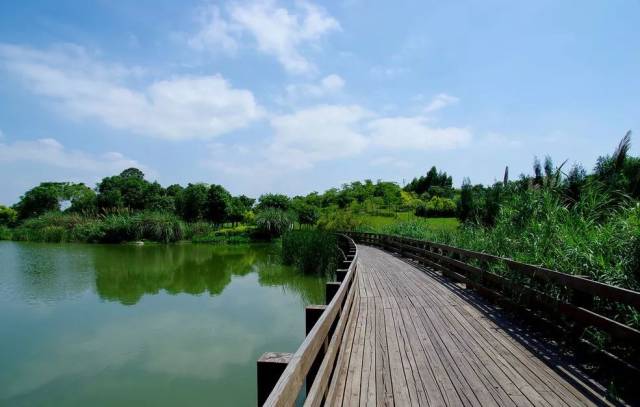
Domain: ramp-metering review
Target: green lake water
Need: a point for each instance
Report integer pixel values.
(100, 325)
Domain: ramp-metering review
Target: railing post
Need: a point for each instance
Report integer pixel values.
(331, 290)
(582, 300)
(341, 274)
(270, 367)
(311, 315)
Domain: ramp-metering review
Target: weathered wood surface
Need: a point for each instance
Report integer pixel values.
(415, 338)
(318, 351)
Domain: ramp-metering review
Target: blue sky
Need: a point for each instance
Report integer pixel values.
(300, 96)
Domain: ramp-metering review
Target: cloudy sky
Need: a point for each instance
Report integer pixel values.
(267, 95)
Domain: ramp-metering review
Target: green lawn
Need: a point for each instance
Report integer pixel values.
(378, 222)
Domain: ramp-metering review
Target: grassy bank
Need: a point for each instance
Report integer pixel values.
(121, 227)
(377, 223)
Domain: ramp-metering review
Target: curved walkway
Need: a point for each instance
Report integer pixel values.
(414, 338)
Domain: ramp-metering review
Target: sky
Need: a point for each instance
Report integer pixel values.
(294, 97)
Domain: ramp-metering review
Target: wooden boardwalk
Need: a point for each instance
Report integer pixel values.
(415, 338)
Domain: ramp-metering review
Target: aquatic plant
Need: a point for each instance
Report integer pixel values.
(311, 251)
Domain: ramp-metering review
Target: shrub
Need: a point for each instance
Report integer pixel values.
(5, 233)
(436, 207)
(198, 229)
(111, 228)
(8, 216)
(158, 227)
(311, 251)
(272, 223)
(339, 220)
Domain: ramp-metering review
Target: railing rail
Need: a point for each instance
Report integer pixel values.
(567, 300)
(314, 360)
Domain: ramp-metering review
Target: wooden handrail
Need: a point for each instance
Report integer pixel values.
(579, 308)
(618, 294)
(318, 391)
(289, 385)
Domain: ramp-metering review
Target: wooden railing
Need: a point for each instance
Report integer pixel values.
(565, 302)
(282, 376)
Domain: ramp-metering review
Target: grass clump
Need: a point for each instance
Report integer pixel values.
(5, 233)
(311, 251)
(272, 223)
(111, 228)
(233, 235)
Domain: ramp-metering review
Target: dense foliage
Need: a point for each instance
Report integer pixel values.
(568, 219)
(436, 207)
(578, 223)
(312, 251)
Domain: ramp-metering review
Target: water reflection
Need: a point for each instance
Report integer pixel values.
(160, 325)
(191, 269)
(126, 273)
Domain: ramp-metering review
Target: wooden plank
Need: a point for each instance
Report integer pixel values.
(293, 378)
(417, 339)
(335, 394)
(354, 373)
(368, 381)
(319, 388)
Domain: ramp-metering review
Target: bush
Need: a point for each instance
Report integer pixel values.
(436, 207)
(5, 233)
(236, 235)
(8, 216)
(272, 223)
(591, 237)
(338, 220)
(111, 228)
(198, 229)
(158, 227)
(311, 251)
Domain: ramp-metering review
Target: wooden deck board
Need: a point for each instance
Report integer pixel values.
(415, 338)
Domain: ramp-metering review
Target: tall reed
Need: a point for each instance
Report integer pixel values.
(311, 251)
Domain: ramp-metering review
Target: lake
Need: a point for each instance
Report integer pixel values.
(144, 325)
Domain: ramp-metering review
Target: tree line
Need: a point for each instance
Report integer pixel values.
(429, 195)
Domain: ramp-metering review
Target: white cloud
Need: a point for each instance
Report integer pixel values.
(387, 72)
(215, 32)
(390, 161)
(277, 31)
(415, 133)
(332, 83)
(441, 101)
(319, 133)
(329, 85)
(52, 153)
(499, 139)
(175, 108)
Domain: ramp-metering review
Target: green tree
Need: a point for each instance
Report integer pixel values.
(8, 216)
(466, 204)
(434, 178)
(130, 190)
(218, 204)
(191, 202)
(275, 201)
(83, 199)
(39, 200)
(307, 214)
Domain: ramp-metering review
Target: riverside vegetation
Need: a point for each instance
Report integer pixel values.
(575, 221)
